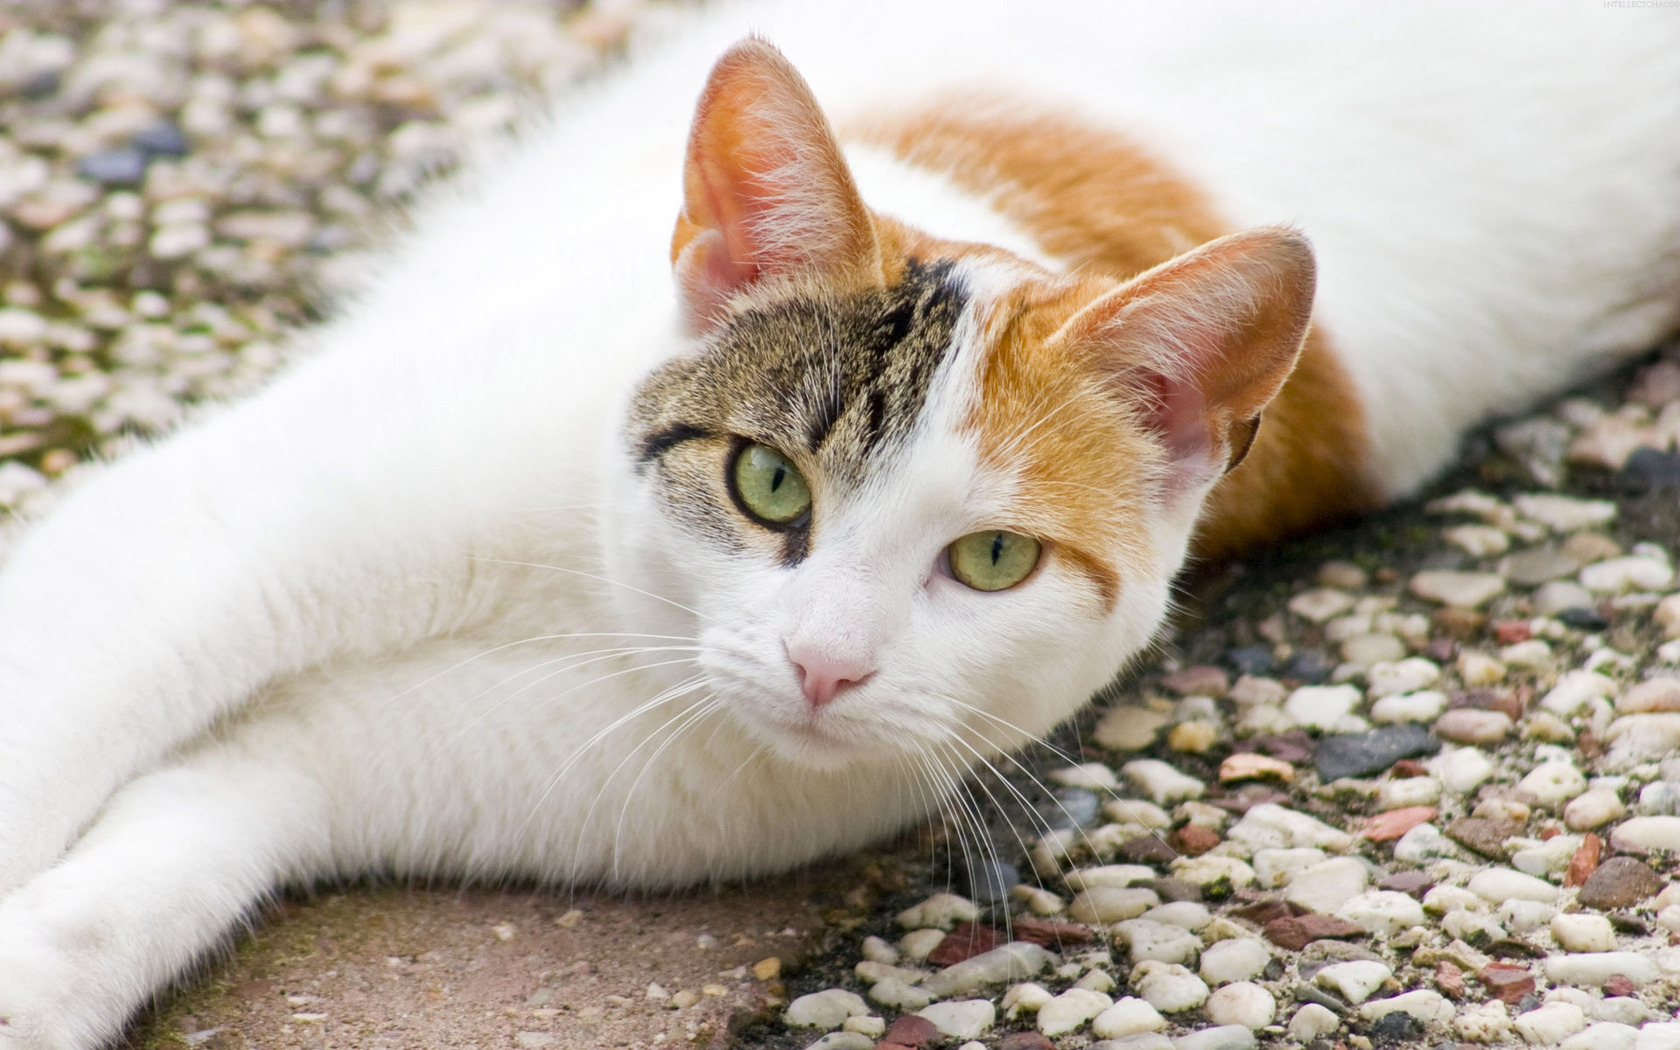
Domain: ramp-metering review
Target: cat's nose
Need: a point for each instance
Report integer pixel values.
(822, 677)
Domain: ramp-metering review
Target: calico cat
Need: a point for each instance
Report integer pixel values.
(539, 564)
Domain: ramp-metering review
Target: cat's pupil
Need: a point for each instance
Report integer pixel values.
(776, 480)
(997, 548)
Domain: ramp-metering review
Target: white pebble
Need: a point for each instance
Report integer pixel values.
(918, 943)
(1328, 884)
(1242, 1002)
(1594, 968)
(1575, 689)
(1478, 541)
(1421, 845)
(1010, 962)
(842, 1041)
(1355, 980)
(963, 1019)
(1618, 575)
(1237, 959)
(1664, 1036)
(1564, 514)
(1486, 1023)
(877, 950)
(1427, 1006)
(898, 994)
(1637, 737)
(1320, 706)
(1188, 914)
(1500, 884)
(1111, 904)
(1070, 1010)
(1523, 916)
(1646, 834)
(1583, 932)
(1461, 769)
(1383, 913)
(1407, 792)
(1595, 808)
(1605, 1035)
(940, 911)
(1320, 604)
(1167, 987)
(1404, 676)
(1551, 1023)
(1211, 868)
(1025, 998)
(1465, 590)
(1161, 781)
(1271, 826)
(1093, 776)
(1422, 706)
(1553, 783)
(1534, 653)
(827, 1009)
(1127, 1016)
(1157, 941)
(1275, 867)
(1622, 1009)
(1224, 1037)
(1312, 1021)
(1116, 875)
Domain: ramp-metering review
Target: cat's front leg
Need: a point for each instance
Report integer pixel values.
(168, 870)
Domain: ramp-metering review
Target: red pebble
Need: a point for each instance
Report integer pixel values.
(1386, 827)
(1193, 840)
(1585, 860)
(911, 1031)
(965, 941)
(1510, 632)
(1407, 768)
(1507, 983)
(1051, 933)
(1450, 980)
(1619, 984)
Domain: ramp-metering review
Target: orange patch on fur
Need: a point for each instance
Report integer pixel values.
(1108, 208)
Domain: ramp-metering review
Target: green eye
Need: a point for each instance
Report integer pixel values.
(769, 487)
(994, 560)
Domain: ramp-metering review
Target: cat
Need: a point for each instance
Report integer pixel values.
(540, 563)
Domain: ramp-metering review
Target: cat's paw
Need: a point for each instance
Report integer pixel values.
(57, 990)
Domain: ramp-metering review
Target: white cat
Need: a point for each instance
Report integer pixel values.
(540, 564)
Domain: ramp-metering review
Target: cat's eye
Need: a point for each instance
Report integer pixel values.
(994, 560)
(769, 488)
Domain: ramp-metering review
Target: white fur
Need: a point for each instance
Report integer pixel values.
(375, 617)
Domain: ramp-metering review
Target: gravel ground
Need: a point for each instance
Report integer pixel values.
(1412, 782)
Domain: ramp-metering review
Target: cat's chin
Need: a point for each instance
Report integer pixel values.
(825, 749)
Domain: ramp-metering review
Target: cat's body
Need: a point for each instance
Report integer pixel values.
(431, 604)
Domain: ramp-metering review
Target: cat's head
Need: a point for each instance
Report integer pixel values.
(921, 494)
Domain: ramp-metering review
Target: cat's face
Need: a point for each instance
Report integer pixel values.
(916, 497)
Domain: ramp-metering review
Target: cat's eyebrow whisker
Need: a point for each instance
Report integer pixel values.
(593, 576)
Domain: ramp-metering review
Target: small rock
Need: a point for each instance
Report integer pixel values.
(1069, 1011)
(1461, 769)
(1538, 565)
(1483, 836)
(1478, 541)
(1321, 706)
(827, 1009)
(1160, 781)
(1655, 694)
(1127, 1016)
(1271, 826)
(1105, 904)
(1551, 1023)
(911, 1030)
(1486, 1023)
(1560, 596)
(963, 1019)
(1620, 575)
(1025, 998)
(1409, 793)
(1502, 884)
(1325, 886)
(1594, 968)
(1396, 823)
(1362, 754)
(1462, 590)
(1647, 834)
(1129, 728)
(1652, 736)
(1583, 933)
(1370, 650)
(1311, 1022)
(1564, 514)
(898, 994)
(1237, 959)
(1382, 913)
(1593, 809)
(1467, 725)
(1241, 1003)
(1201, 680)
(1320, 605)
(1168, 987)
(1603, 1036)
(1187, 915)
(1225, 1037)
(918, 943)
(1354, 981)
(1422, 706)
(1247, 765)
(1295, 932)
(1479, 669)
(1012, 962)
(1619, 882)
(940, 911)
(1194, 737)
(1157, 941)
(1553, 783)
(1507, 983)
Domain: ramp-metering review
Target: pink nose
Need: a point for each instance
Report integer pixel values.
(821, 677)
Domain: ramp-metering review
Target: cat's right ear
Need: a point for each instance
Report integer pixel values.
(766, 190)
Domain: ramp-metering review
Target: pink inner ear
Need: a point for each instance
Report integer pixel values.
(1178, 412)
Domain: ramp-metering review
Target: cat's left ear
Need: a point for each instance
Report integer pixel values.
(1202, 343)
(766, 190)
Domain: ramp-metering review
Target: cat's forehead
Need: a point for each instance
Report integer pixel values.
(841, 378)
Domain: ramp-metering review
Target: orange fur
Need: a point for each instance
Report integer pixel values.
(1108, 208)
